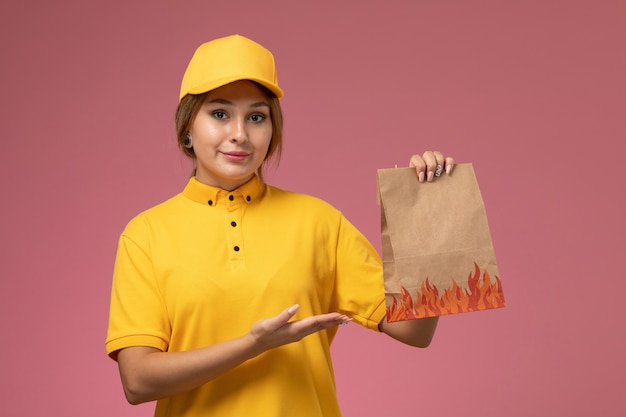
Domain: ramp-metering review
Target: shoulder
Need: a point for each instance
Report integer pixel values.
(155, 215)
(300, 202)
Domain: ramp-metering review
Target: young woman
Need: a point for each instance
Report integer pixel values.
(227, 296)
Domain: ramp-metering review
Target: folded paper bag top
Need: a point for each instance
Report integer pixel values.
(438, 257)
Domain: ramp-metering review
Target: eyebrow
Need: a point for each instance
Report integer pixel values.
(230, 103)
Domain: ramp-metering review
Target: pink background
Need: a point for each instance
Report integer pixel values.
(533, 93)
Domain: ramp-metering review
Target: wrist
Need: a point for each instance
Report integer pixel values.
(251, 346)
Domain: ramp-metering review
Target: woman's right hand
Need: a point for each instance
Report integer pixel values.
(278, 330)
(150, 374)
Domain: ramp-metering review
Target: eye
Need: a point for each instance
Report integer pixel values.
(257, 117)
(219, 114)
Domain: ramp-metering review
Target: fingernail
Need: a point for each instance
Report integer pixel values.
(448, 169)
(293, 308)
(430, 176)
(420, 176)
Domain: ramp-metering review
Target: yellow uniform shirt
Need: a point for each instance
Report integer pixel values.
(205, 265)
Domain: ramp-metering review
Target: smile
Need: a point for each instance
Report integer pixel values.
(235, 156)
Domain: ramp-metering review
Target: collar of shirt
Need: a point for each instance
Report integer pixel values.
(212, 196)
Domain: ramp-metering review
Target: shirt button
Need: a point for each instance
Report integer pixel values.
(233, 224)
(231, 197)
(210, 202)
(236, 248)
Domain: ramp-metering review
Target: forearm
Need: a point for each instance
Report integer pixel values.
(418, 332)
(149, 374)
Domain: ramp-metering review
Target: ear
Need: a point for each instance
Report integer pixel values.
(188, 142)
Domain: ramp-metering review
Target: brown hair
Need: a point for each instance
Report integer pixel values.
(189, 106)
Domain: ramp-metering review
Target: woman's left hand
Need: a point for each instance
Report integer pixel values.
(430, 165)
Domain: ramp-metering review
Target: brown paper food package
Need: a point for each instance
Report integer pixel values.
(438, 257)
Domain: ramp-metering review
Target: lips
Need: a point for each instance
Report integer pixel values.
(236, 155)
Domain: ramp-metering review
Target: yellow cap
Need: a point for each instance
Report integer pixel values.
(224, 60)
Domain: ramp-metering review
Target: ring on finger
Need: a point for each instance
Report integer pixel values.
(438, 170)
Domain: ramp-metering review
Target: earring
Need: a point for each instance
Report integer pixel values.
(187, 143)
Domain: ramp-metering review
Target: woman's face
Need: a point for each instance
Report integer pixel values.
(231, 134)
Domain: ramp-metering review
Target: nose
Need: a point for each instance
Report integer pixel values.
(240, 130)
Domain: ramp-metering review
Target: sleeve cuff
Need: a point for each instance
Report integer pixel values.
(114, 345)
(374, 319)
